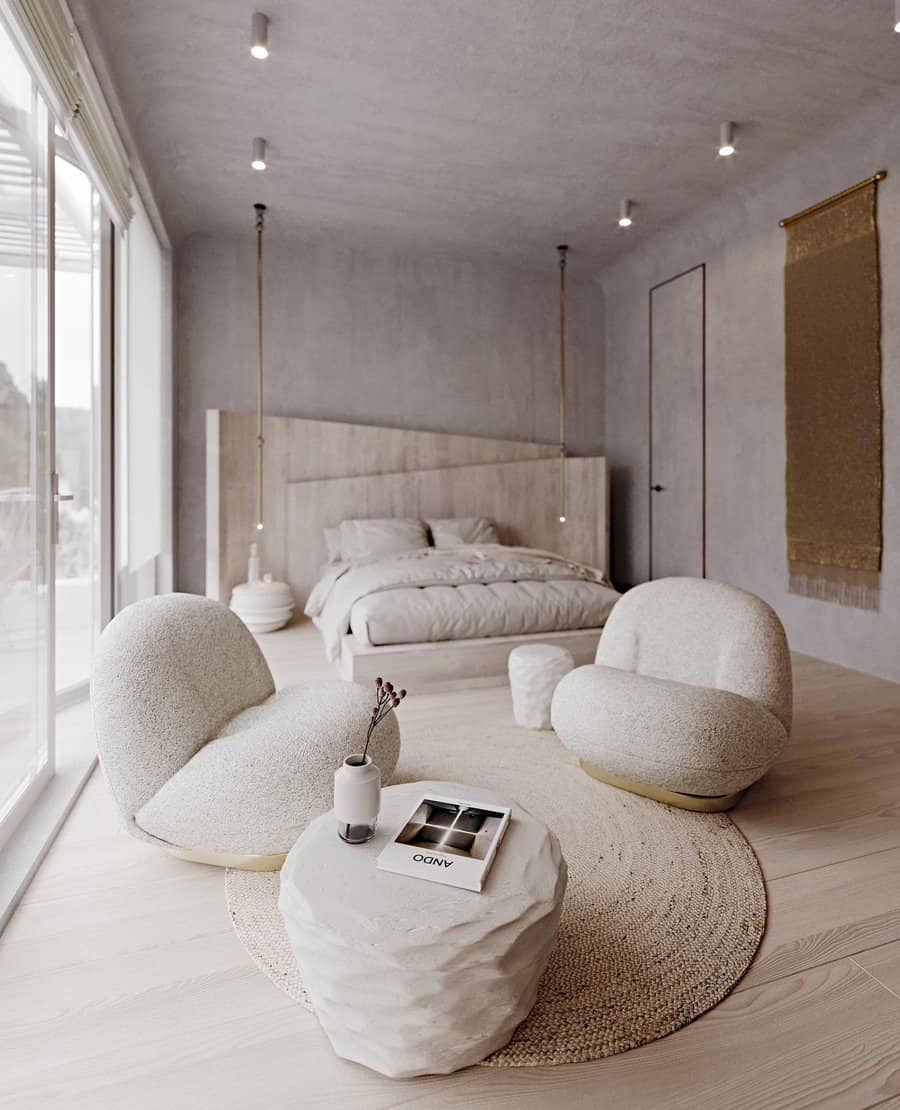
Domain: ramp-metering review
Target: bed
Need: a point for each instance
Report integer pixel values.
(447, 607)
(397, 585)
(465, 593)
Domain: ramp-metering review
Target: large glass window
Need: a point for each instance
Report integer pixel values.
(83, 315)
(76, 305)
(25, 433)
(83, 305)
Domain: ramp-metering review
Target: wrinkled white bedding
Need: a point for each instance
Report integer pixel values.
(413, 615)
(455, 594)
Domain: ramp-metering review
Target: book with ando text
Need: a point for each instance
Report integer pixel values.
(447, 841)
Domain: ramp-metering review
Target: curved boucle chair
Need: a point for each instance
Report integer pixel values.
(689, 698)
(201, 754)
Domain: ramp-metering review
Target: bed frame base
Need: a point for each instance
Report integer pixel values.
(697, 803)
(450, 663)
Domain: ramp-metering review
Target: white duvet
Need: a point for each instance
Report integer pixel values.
(457, 593)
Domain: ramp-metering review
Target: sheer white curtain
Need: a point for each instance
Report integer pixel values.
(147, 370)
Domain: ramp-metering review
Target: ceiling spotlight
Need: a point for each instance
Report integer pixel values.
(258, 162)
(726, 138)
(259, 35)
(897, 16)
(625, 219)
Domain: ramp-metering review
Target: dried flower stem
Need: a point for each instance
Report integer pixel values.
(386, 699)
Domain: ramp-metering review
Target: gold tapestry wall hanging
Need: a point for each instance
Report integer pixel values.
(832, 309)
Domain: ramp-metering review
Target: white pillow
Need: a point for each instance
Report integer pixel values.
(372, 539)
(463, 530)
(333, 543)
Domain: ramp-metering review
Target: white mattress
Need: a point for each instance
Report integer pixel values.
(422, 614)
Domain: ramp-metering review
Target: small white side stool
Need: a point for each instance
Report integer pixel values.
(263, 606)
(534, 671)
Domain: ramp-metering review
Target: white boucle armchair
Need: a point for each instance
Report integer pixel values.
(689, 699)
(201, 754)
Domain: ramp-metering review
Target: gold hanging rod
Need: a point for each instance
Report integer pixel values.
(562, 250)
(260, 225)
(880, 176)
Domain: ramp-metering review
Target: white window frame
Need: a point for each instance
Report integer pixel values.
(45, 33)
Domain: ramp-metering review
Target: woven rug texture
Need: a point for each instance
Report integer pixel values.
(663, 913)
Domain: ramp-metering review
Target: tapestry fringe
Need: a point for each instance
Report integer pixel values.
(856, 589)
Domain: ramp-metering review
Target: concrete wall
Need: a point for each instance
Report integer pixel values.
(447, 343)
(739, 239)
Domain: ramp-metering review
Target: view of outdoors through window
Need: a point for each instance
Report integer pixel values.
(76, 360)
(60, 228)
(30, 419)
(24, 431)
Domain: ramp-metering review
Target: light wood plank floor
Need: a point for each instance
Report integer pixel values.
(123, 986)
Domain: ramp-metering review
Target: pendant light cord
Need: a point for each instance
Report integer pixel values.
(260, 223)
(562, 382)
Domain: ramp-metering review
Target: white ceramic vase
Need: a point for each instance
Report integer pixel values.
(357, 799)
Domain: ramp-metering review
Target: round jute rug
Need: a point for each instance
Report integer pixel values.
(663, 913)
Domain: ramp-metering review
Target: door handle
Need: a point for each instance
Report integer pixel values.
(657, 488)
(57, 497)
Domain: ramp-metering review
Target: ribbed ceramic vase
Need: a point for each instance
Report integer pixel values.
(357, 799)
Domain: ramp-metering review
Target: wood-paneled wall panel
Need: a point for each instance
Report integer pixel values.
(521, 497)
(298, 450)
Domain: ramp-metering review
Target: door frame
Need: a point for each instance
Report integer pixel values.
(701, 266)
(53, 701)
(17, 806)
(103, 445)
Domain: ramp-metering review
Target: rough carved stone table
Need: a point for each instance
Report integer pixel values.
(411, 977)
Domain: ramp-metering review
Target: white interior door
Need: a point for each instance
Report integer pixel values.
(677, 426)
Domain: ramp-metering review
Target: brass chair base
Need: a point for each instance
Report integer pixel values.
(230, 859)
(697, 803)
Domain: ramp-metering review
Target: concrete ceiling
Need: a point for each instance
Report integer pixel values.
(501, 125)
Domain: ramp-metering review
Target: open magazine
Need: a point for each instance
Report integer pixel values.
(447, 841)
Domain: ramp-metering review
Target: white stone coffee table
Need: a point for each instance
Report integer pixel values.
(410, 977)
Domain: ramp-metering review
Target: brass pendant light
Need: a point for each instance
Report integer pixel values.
(260, 224)
(562, 249)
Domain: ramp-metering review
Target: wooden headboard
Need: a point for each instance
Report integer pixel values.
(522, 498)
(299, 450)
(319, 472)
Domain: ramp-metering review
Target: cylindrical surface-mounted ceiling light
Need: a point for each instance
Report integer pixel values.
(259, 35)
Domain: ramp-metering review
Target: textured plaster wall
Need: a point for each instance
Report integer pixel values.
(739, 239)
(450, 343)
